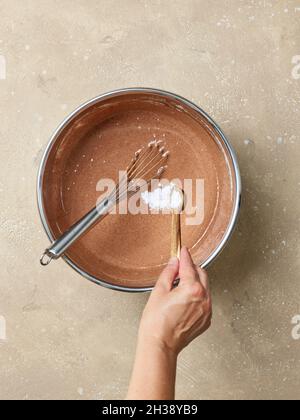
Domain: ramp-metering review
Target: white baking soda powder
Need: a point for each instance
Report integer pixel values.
(166, 197)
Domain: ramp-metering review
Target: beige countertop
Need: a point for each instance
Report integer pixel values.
(68, 338)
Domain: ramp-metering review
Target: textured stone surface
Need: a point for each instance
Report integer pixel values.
(67, 338)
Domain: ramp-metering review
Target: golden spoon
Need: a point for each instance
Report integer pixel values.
(176, 225)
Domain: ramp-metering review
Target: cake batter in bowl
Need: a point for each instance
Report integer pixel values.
(127, 252)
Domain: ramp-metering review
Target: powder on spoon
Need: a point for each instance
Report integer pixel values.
(166, 197)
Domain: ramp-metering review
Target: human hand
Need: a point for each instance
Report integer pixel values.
(173, 317)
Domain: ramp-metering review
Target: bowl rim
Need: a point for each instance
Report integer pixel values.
(68, 119)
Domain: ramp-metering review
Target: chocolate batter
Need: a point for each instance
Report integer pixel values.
(131, 250)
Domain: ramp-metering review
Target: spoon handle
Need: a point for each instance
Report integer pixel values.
(175, 235)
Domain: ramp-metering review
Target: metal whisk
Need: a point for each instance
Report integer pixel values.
(147, 164)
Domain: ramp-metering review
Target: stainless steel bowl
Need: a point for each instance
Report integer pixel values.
(167, 96)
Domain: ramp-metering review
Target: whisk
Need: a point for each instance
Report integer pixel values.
(148, 163)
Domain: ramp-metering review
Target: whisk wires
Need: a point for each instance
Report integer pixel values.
(148, 163)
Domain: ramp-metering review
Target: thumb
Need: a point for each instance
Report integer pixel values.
(168, 275)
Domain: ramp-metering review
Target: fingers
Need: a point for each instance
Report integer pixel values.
(168, 275)
(203, 278)
(190, 274)
(186, 269)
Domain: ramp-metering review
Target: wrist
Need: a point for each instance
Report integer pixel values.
(155, 345)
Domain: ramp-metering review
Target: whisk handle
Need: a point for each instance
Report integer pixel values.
(60, 246)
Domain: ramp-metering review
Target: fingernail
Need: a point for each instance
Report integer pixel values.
(173, 261)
